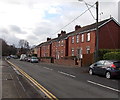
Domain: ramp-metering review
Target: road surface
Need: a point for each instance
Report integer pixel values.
(70, 82)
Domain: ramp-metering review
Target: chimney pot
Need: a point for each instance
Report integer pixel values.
(63, 32)
(59, 35)
(77, 27)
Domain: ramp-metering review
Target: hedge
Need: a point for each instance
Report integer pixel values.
(102, 52)
(112, 56)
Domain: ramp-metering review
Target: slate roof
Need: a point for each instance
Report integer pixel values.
(83, 29)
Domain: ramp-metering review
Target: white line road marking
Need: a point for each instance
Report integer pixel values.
(22, 86)
(48, 68)
(103, 86)
(66, 74)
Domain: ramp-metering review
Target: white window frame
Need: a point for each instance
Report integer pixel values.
(77, 39)
(72, 39)
(82, 38)
(72, 50)
(88, 50)
(88, 36)
(62, 43)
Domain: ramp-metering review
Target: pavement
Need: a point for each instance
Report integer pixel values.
(14, 85)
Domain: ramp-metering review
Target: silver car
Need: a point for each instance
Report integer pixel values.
(34, 60)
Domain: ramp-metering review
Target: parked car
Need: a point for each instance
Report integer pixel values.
(22, 57)
(108, 68)
(8, 57)
(15, 57)
(34, 60)
(28, 59)
(25, 59)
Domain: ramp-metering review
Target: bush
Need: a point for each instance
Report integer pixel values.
(104, 51)
(112, 56)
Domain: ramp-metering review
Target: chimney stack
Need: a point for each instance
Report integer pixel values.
(77, 27)
(48, 39)
(63, 32)
(59, 35)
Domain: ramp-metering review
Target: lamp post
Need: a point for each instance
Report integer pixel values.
(97, 34)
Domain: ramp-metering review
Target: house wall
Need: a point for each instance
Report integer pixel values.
(39, 52)
(59, 49)
(109, 36)
(35, 50)
(82, 45)
(45, 51)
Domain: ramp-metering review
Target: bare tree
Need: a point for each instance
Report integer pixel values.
(24, 44)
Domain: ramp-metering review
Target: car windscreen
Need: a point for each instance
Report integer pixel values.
(117, 64)
(34, 58)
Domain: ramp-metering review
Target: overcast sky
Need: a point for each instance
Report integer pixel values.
(35, 20)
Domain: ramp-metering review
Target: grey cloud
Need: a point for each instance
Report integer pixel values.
(17, 29)
(4, 31)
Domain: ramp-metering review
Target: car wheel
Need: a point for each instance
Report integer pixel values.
(108, 75)
(90, 71)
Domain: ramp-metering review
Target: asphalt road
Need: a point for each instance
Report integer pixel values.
(66, 82)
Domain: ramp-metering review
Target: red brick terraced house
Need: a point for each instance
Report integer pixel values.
(44, 49)
(60, 46)
(81, 43)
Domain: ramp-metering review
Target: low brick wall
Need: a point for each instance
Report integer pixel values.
(46, 60)
(68, 62)
(86, 61)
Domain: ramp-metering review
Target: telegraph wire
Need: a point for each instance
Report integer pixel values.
(90, 11)
(74, 19)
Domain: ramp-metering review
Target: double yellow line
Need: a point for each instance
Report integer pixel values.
(45, 91)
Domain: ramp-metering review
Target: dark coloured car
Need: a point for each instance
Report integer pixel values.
(108, 68)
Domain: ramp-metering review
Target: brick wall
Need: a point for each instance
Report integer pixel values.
(82, 45)
(109, 36)
(68, 62)
(46, 60)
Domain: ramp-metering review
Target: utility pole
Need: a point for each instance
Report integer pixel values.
(97, 34)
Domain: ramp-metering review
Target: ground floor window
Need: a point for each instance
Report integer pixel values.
(88, 49)
(72, 51)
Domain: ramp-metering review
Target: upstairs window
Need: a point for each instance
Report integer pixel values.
(82, 38)
(72, 39)
(62, 43)
(77, 38)
(88, 36)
